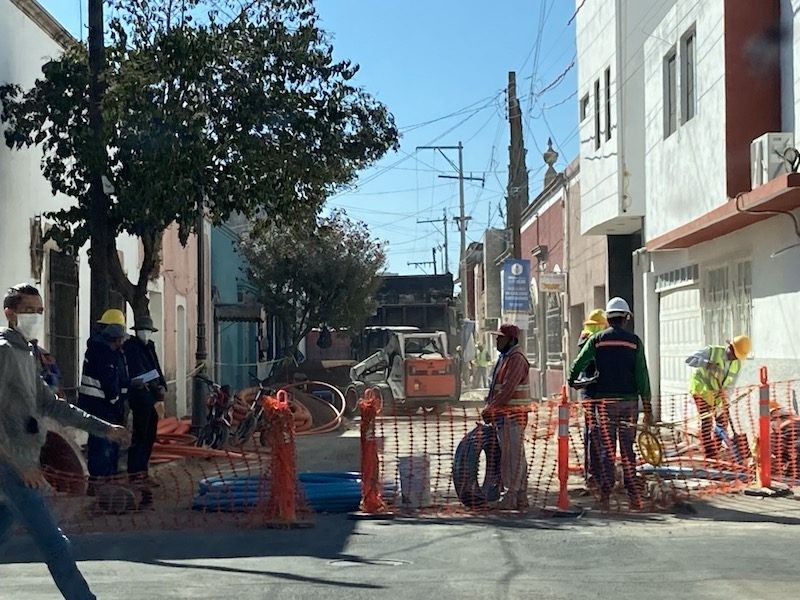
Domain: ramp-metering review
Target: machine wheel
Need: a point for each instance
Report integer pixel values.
(435, 409)
(352, 395)
(388, 405)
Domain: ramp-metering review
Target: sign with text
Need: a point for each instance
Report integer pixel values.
(516, 281)
(553, 282)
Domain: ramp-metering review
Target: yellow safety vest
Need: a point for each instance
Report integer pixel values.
(708, 385)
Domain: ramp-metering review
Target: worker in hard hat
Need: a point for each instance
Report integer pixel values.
(103, 389)
(716, 369)
(595, 323)
(622, 379)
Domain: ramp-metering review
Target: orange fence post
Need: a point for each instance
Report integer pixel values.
(372, 504)
(563, 450)
(282, 504)
(764, 431)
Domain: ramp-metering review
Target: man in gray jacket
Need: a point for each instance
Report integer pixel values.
(24, 401)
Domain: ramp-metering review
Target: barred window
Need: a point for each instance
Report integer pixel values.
(727, 301)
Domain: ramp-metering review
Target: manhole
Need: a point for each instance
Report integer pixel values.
(367, 562)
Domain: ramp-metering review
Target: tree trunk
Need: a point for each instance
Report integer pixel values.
(136, 295)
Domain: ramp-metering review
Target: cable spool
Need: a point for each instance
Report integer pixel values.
(465, 468)
(650, 448)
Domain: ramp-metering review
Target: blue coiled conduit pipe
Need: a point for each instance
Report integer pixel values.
(325, 492)
(465, 468)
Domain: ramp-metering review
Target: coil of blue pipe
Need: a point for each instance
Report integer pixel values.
(324, 492)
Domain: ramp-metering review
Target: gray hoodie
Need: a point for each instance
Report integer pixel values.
(25, 399)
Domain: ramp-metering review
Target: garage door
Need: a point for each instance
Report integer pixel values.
(680, 334)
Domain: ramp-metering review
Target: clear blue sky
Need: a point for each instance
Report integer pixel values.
(429, 59)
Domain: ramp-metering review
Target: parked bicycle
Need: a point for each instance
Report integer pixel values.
(253, 419)
(219, 403)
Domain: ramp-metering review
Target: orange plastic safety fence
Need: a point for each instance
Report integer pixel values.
(704, 450)
(371, 487)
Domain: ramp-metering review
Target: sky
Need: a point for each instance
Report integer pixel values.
(441, 67)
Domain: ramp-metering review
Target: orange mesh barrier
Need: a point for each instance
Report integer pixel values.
(699, 450)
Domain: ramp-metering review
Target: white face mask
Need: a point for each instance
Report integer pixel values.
(144, 335)
(31, 326)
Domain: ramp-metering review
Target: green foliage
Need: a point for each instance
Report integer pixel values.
(309, 275)
(228, 106)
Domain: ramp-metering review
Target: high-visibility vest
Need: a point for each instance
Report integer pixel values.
(521, 396)
(708, 385)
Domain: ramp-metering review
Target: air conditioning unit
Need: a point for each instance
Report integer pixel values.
(767, 157)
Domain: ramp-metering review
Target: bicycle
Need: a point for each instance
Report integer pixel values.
(216, 431)
(253, 419)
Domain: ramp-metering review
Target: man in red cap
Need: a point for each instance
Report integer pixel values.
(508, 404)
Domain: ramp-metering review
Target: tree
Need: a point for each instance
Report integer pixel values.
(323, 274)
(208, 106)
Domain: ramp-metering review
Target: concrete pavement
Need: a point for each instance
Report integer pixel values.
(736, 548)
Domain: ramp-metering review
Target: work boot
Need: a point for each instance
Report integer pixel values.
(522, 501)
(604, 503)
(507, 502)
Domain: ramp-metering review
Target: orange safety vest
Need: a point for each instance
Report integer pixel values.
(521, 396)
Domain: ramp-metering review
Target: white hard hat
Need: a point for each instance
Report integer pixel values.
(617, 307)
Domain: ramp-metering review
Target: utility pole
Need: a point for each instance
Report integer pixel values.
(445, 258)
(201, 352)
(433, 250)
(98, 203)
(517, 193)
(422, 263)
(462, 219)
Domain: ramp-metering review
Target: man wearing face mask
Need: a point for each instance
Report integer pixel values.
(25, 401)
(146, 399)
(103, 389)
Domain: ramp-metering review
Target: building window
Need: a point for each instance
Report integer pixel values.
(555, 319)
(608, 103)
(727, 302)
(670, 93)
(688, 93)
(584, 107)
(597, 115)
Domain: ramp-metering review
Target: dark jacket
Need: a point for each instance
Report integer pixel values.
(141, 358)
(621, 365)
(104, 380)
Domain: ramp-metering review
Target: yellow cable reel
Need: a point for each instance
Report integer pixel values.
(650, 447)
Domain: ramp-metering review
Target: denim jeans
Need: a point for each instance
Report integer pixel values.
(513, 463)
(27, 505)
(612, 421)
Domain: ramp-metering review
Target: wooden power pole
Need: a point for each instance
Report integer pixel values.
(98, 203)
(517, 193)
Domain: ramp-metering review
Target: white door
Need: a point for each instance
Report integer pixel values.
(180, 362)
(680, 334)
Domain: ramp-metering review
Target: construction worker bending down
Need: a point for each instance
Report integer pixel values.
(25, 400)
(622, 380)
(508, 404)
(595, 323)
(716, 371)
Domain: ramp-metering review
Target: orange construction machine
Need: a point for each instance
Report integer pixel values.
(412, 372)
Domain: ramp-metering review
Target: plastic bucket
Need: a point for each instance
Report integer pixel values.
(415, 487)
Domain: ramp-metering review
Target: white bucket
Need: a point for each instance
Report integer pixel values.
(415, 487)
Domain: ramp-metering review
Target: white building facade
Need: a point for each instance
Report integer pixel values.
(700, 81)
(29, 37)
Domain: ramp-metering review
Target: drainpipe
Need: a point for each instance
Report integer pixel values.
(566, 345)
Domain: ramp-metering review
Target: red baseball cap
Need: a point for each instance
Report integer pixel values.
(508, 330)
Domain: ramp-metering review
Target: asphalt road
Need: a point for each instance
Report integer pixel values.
(739, 548)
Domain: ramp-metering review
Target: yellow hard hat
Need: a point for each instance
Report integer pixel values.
(742, 346)
(597, 317)
(113, 316)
